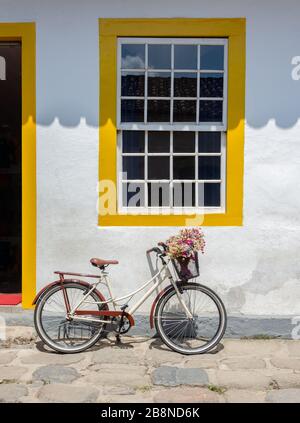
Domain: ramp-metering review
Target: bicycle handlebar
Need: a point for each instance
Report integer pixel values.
(158, 250)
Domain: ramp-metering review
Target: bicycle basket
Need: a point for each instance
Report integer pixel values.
(187, 267)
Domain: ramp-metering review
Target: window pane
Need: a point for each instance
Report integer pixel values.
(184, 111)
(133, 194)
(185, 57)
(184, 194)
(183, 142)
(158, 167)
(132, 111)
(159, 194)
(158, 142)
(158, 111)
(212, 57)
(211, 85)
(209, 195)
(159, 84)
(133, 56)
(185, 84)
(183, 167)
(159, 56)
(133, 84)
(133, 167)
(209, 142)
(209, 167)
(133, 141)
(211, 111)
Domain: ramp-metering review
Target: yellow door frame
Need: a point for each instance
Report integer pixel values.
(25, 33)
(232, 28)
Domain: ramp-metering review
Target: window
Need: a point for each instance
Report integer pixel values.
(171, 121)
(172, 103)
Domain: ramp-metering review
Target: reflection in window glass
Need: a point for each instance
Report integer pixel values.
(133, 167)
(211, 111)
(209, 167)
(133, 84)
(212, 57)
(183, 142)
(159, 194)
(158, 142)
(184, 167)
(133, 56)
(133, 194)
(184, 111)
(209, 142)
(158, 167)
(132, 111)
(209, 195)
(211, 85)
(185, 57)
(133, 142)
(159, 56)
(158, 111)
(159, 84)
(185, 84)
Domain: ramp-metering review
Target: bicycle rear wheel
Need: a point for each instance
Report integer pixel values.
(196, 335)
(61, 334)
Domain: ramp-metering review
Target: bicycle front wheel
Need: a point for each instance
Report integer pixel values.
(198, 334)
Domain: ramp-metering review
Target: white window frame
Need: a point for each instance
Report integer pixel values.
(176, 126)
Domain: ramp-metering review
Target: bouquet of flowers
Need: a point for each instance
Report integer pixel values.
(183, 250)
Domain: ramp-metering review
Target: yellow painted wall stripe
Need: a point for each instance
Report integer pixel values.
(234, 29)
(25, 32)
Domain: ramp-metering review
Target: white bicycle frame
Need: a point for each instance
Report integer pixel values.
(104, 279)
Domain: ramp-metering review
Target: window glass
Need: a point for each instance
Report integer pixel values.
(185, 84)
(133, 84)
(133, 142)
(159, 194)
(158, 111)
(133, 194)
(212, 57)
(158, 142)
(185, 57)
(209, 142)
(183, 167)
(159, 84)
(159, 56)
(133, 167)
(132, 111)
(211, 111)
(133, 56)
(209, 167)
(184, 111)
(209, 194)
(183, 142)
(211, 85)
(158, 167)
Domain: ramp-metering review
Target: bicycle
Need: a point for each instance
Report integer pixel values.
(72, 315)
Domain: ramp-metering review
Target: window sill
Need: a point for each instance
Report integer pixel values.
(223, 219)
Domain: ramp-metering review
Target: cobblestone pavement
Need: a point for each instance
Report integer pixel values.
(144, 370)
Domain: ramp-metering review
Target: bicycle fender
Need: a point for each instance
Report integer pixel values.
(66, 281)
(159, 295)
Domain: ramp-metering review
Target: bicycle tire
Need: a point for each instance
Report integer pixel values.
(39, 325)
(214, 341)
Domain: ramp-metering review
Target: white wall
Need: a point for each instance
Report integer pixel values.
(255, 268)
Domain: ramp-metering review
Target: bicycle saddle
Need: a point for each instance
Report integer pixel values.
(99, 262)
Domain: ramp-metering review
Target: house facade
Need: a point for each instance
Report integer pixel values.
(122, 122)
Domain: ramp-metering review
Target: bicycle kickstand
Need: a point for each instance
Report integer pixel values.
(118, 337)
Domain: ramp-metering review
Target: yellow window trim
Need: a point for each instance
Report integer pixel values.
(25, 33)
(234, 30)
